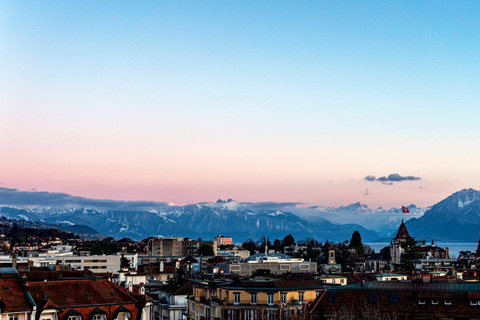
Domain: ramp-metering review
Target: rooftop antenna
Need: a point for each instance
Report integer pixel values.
(266, 246)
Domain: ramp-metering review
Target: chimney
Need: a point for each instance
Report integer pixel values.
(14, 260)
(162, 266)
(447, 253)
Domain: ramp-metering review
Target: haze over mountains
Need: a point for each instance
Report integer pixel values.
(455, 218)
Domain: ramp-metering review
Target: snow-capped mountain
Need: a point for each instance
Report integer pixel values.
(383, 221)
(196, 220)
(456, 218)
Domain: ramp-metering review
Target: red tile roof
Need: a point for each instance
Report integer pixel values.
(12, 295)
(80, 292)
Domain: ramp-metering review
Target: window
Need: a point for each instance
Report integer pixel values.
(301, 297)
(317, 293)
(253, 298)
(394, 298)
(332, 297)
(372, 297)
(99, 317)
(13, 318)
(473, 302)
(284, 267)
(284, 297)
(448, 302)
(235, 268)
(236, 297)
(341, 280)
(421, 301)
(270, 299)
(434, 301)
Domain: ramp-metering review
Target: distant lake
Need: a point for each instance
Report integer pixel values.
(454, 248)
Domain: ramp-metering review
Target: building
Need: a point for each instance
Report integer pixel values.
(175, 246)
(223, 241)
(389, 276)
(14, 302)
(234, 254)
(398, 300)
(170, 300)
(396, 244)
(190, 246)
(69, 300)
(165, 246)
(332, 279)
(95, 263)
(87, 299)
(275, 264)
(252, 299)
(331, 266)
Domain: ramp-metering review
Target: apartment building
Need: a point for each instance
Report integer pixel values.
(175, 246)
(166, 247)
(252, 299)
(276, 264)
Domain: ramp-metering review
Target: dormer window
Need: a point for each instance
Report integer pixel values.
(98, 314)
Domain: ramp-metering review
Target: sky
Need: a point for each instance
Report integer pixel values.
(319, 102)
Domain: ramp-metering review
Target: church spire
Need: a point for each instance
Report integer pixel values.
(402, 232)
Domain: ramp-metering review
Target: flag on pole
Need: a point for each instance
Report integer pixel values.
(405, 210)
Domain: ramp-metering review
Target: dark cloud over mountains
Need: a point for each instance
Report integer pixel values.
(15, 197)
(394, 177)
(55, 199)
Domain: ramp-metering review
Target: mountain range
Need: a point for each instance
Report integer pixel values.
(456, 218)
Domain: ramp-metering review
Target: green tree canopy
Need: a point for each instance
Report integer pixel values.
(206, 250)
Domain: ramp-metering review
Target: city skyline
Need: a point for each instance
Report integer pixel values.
(320, 103)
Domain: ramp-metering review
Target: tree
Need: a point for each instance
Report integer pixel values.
(205, 250)
(250, 246)
(466, 254)
(477, 253)
(356, 243)
(288, 241)
(124, 262)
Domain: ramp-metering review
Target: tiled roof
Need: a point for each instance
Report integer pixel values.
(184, 287)
(12, 295)
(80, 292)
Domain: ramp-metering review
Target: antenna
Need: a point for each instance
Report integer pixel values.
(266, 246)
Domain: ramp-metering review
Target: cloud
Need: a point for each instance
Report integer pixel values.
(55, 199)
(391, 178)
(16, 197)
(270, 205)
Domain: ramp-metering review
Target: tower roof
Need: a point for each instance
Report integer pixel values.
(402, 232)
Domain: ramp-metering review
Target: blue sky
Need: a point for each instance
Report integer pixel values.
(257, 101)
